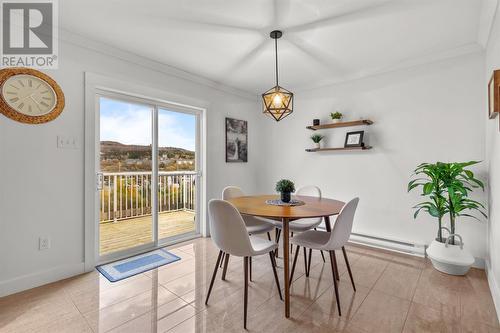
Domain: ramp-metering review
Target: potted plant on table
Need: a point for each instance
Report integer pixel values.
(336, 117)
(286, 188)
(448, 186)
(317, 139)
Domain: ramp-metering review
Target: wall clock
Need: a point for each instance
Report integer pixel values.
(29, 96)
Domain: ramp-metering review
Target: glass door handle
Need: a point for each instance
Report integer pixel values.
(99, 181)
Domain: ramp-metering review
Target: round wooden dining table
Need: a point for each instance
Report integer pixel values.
(312, 207)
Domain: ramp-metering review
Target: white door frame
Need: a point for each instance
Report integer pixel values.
(140, 93)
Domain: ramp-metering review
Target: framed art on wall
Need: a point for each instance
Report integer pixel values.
(354, 139)
(236, 140)
(493, 95)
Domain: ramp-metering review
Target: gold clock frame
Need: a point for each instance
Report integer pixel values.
(9, 112)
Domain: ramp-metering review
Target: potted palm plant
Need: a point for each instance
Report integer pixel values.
(317, 139)
(336, 117)
(285, 187)
(448, 185)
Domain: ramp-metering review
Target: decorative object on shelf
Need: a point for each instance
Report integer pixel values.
(315, 122)
(286, 188)
(277, 101)
(29, 96)
(354, 139)
(236, 140)
(494, 95)
(336, 117)
(279, 202)
(448, 186)
(317, 139)
(360, 122)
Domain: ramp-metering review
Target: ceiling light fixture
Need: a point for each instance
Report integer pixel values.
(277, 101)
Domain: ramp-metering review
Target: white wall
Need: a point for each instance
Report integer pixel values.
(427, 113)
(42, 187)
(493, 162)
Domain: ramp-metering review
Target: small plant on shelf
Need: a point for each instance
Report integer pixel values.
(317, 139)
(285, 187)
(336, 116)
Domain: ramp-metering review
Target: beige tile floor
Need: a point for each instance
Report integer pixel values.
(395, 293)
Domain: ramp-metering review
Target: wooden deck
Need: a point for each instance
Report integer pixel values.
(136, 231)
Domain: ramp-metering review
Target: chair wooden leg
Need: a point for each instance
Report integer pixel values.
(213, 277)
(305, 261)
(336, 267)
(278, 234)
(226, 262)
(273, 263)
(335, 281)
(294, 262)
(250, 267)
(348, 267)
(245, 297)
(309, 262)
(268, 236)
(291, 246)
(222, 261)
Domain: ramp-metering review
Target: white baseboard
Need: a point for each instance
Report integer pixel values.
(494, 288)
(37, 279)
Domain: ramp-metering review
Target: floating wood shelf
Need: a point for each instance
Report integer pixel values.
(342, 124)
(312, 150)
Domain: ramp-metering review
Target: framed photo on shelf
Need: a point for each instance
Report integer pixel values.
(354, 139)
(493, 95)
(236, 140)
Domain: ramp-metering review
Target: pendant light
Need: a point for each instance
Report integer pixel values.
(277, 101)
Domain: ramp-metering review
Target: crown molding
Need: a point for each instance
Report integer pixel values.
(429, 58)
(105, 49)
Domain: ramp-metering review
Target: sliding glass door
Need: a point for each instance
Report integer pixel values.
(148, 174)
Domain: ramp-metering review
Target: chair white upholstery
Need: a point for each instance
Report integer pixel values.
(334, 240)
(230, 235)
(254, 225)
(330, 241)
(305, 224)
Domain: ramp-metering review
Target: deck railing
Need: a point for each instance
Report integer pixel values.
(128, 194)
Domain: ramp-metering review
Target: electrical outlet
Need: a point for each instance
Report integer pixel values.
(43, 243)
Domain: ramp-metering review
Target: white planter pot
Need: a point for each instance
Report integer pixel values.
(335, 121)
(450, 259)
(318, 145)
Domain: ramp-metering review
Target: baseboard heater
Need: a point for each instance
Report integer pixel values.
(388, 244)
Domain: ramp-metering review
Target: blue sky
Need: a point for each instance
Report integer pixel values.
(131, 124)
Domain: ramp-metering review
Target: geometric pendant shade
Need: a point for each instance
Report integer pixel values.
(277, 102)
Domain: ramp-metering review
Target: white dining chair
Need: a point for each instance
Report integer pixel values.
(230, 235)
(254, 225)
(303, 224)
(330, 241)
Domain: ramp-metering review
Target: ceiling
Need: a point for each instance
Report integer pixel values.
(324, 41)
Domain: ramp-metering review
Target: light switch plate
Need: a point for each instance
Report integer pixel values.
(66, 142)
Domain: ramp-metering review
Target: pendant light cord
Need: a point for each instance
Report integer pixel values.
(276, 54)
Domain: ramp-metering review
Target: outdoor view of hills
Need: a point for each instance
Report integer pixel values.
(119, 157)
